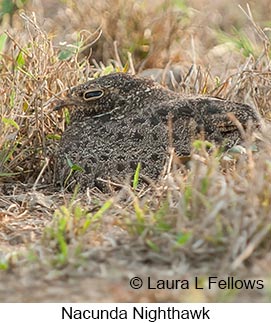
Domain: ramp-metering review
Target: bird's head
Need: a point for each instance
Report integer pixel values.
(118, 93)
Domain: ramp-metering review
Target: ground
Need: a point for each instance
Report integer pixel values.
(210, 218)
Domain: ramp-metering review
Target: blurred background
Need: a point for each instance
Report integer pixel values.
(217, 34)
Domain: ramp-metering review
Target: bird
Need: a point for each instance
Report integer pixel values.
(119, 121)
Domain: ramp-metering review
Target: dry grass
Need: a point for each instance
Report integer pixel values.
(210, 217)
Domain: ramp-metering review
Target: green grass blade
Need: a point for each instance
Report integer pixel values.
(136, 176)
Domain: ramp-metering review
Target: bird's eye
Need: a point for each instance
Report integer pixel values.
(93, 94)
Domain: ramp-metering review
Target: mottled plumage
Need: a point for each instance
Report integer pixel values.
(120, 120)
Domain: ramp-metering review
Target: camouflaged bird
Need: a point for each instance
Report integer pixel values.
(120, 120)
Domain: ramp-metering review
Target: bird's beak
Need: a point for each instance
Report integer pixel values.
(61, 104)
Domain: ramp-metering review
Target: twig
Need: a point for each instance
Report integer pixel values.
(131, 63)
(40, 174)
(117, 54)
(251, 247)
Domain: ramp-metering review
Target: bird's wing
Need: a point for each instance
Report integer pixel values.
(225, 116)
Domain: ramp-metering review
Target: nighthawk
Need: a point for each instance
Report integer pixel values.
(120, 120)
